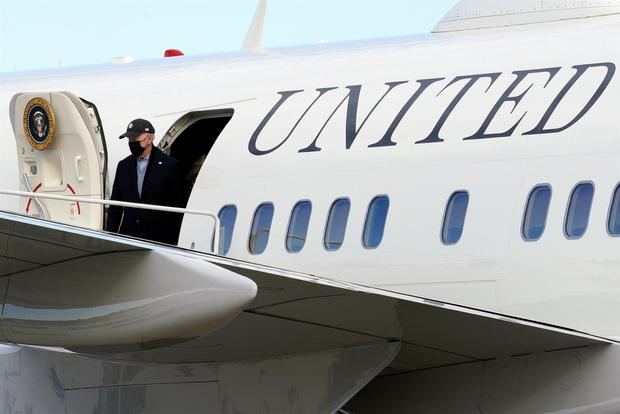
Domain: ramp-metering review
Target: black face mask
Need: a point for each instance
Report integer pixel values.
(135, 148)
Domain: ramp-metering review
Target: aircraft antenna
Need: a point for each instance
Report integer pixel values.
(254, 38)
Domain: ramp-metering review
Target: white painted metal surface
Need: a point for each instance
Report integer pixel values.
(568, 283)
(254, 38)
(72, 165)
(134, 300)
(485, 14)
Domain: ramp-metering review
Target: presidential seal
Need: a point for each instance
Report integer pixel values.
(39, 123)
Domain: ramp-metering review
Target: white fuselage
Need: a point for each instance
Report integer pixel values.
(556, 280)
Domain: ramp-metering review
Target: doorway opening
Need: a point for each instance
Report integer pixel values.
(190, 140)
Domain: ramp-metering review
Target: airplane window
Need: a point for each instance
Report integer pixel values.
(337, 224)
(298, 226)
(375, 222)
(455, 217)
(578, 212)
(614, 214)
(228, 216)
(536, 210)
(261, 226)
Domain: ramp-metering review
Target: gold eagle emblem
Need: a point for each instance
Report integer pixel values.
(39, 123)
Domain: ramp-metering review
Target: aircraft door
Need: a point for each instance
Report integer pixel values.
(60, 150)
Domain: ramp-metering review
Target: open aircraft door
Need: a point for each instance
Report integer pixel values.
(60, 150)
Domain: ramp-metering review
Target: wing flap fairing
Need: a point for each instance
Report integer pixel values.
(83, 291)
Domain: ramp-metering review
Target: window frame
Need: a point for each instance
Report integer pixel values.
(222, 253)
(252, 226)
(445, 215)
(366, 221)
(329, 211)
(616, 191)
(289, 226)
(568, 204)
(527, 203)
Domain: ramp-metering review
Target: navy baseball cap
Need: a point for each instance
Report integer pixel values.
(137, 127)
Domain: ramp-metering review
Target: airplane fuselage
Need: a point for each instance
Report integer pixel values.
(493, 114)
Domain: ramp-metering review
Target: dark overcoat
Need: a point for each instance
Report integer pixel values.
(162, 185)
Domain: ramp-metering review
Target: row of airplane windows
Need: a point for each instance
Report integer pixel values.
(577, 212)
(298, 225)
(532, 229)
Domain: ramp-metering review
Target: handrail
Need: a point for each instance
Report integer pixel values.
(216, 219)
(37, 203)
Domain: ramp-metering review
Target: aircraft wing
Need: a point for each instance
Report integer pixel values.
(98, 293)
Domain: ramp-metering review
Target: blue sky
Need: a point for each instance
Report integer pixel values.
(39, 34)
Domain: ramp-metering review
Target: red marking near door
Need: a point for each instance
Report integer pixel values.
(73, 192)
(30, 199)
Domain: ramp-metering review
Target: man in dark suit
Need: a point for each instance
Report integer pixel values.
(147, 176)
